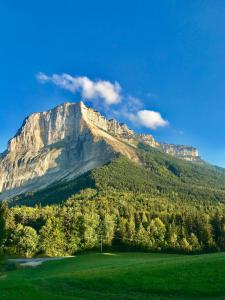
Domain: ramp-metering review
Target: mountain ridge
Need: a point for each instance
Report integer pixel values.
(66, 142)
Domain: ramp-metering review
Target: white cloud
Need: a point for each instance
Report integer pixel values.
(148, 118)
(109, 92)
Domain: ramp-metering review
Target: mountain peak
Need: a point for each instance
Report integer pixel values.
(67, 141)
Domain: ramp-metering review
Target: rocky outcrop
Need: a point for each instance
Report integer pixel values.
(180, 151)
(65, 142)
(148, 139)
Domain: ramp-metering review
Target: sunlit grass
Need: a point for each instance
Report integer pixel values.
(120, 276)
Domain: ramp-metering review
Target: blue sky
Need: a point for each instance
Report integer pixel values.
(166, 56)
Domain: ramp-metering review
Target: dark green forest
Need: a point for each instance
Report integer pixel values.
(161, 204)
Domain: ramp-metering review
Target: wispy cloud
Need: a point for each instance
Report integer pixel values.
(110, 93)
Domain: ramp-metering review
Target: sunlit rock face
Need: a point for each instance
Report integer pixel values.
(61, 143)
(65, 142)
(180, 151)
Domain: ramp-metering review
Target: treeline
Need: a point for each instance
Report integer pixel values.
(120, 220)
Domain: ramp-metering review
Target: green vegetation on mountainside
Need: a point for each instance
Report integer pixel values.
(161, 204)
(158, 174)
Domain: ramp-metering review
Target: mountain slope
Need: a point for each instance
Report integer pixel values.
(62, 143)
(158, 175)
(66, 142)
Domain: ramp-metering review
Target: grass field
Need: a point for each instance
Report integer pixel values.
(120, 276)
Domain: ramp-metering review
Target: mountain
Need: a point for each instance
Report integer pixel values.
(159, 176)
(59, 145)
(106, 183)
(62, 143)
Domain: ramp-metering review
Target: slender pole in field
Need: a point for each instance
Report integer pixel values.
(101, 246)
(101, 228)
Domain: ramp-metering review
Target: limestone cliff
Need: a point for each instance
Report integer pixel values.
(181, 151)
(61, 143)
(65, 142)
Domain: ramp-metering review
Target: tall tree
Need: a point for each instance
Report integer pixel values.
(3, 208)
(25, 240)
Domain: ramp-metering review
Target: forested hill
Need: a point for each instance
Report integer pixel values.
(159, 204)
(158, 174)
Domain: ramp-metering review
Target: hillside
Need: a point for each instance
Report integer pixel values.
(160, 204)
(120, 276)
(157, 173)
(67, 141)
(137, 197)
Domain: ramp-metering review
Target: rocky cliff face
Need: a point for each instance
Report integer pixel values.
(180, 151)
(65, 142)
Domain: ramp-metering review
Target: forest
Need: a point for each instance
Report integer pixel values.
(168, 206)
(120, 220)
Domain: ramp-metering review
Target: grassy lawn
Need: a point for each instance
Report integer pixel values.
(120, 276)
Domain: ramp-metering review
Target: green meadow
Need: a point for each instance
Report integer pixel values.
(119, 276)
